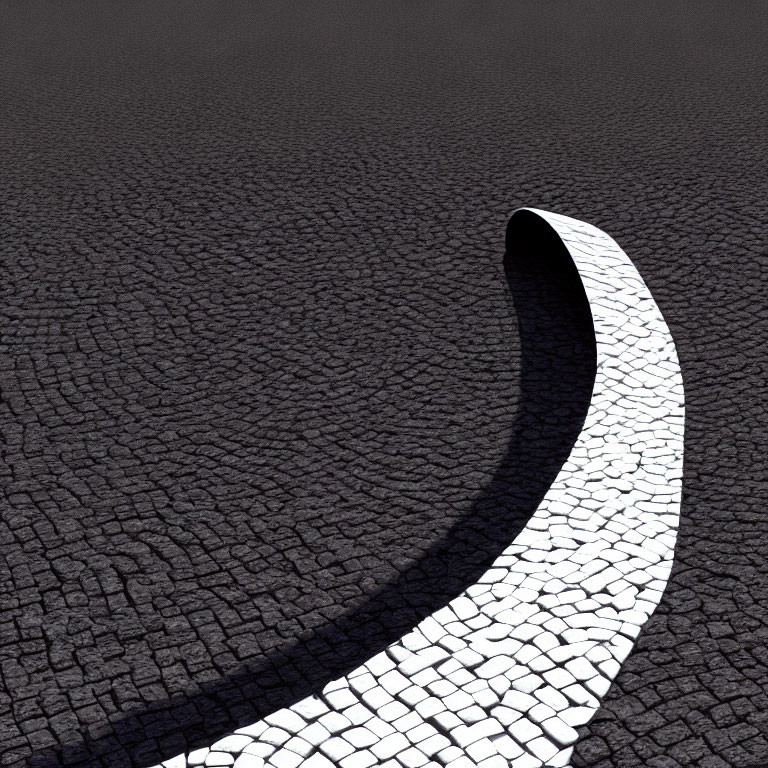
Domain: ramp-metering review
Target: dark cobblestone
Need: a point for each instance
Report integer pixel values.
(258, 353)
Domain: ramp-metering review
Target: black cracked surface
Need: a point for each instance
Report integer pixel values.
(259, 357)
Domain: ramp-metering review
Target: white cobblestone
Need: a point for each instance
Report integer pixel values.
(524, 656)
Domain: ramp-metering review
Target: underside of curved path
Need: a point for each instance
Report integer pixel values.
(507, 671)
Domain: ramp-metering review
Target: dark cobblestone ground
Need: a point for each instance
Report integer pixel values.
(260, 362)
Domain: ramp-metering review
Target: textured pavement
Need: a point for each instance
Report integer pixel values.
(260, 358)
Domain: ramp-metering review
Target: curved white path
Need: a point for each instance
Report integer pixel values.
(505, 672)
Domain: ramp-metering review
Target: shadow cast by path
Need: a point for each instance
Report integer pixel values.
(557, 376)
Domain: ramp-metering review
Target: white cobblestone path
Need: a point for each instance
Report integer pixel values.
(505, 672)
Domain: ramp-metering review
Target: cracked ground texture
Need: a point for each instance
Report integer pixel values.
(260, 360)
